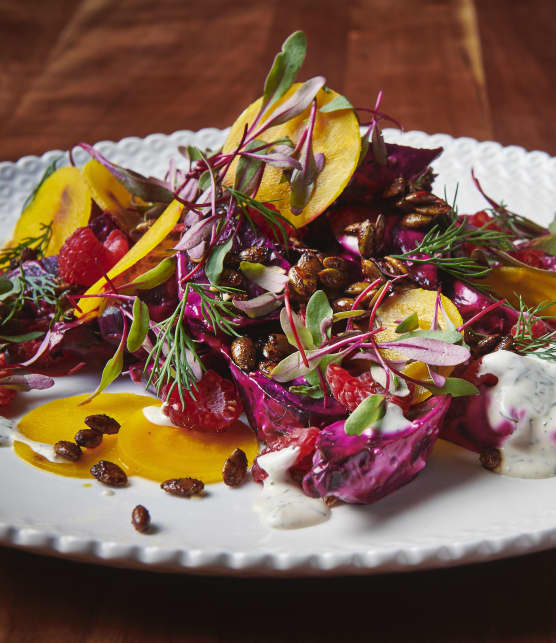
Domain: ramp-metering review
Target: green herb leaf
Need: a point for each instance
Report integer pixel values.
(318, 309)
(271, 278)
(371, 409)
(303, 332)
(552, 226)
(111, 371)
(18, 339)
(215, 263)
(454, 386)
(411, 322)
(336, 104)
(155, 276)
(204, 181)
(6, 286)
(348, 314)
(139, 326)
(194, 153)
(312, 378)
(284, 69)
(449, 336)
(314, 392)
(249, 170)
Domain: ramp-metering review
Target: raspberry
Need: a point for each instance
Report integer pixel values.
(350, 391)
(6, 396)
(116, 246)
(83, 259)
(305, 439)
(215, 406)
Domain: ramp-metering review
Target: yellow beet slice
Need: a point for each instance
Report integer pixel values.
(108, 193)
(61, 419)
(64, 201)
(336, 135)
(397, 308)
(148, 243)
(163, 452)
(534, 286)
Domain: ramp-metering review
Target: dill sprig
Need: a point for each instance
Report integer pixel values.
(28, 288)
(275, 220)
(39, 244)
(174, 354)
(438, 243)
(524, 339)
(49, 171)
(516, 224)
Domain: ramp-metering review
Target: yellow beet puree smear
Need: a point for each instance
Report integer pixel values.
(140, 448)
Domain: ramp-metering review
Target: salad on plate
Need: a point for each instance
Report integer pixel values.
(299, 307)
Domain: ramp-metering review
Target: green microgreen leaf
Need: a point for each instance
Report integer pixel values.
(215, 263)
(369, 411)
(348, 314)
(304, 334)
(318, 309)
(284, 69)
(450, 336)
(249, 170)
(552, 226)
(271, 278)
(194, 153)
(292, 366)
(139, 326)
(411, 322)
(336, 104)
(155, 276)
(454, 386)
(312, 378)
(204, 181)
(314, 392)
(18, 339)
(111, 371)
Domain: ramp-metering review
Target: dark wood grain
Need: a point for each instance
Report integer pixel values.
(89, 70)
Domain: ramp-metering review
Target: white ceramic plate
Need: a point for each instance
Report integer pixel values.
(454, 512)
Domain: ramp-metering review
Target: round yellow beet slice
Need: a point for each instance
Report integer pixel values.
(400, 306)
(336, 135)
(163, 452)
(63, 200)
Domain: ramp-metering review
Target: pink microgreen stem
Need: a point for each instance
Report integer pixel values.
(483, 312)
(323, 387)
(292, 326)
(180, 271)
(436, 307)
(381, 297)
(382, 363)
(356, 340)
(190, 274)
(360, 297)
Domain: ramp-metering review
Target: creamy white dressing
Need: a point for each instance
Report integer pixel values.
(282, 504)
(392, 422)
(9, 434)
(155, 415)
(525, 396)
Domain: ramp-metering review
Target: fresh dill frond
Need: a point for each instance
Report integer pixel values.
(38, 244)
(26, 287)
(437, 243)
(174, 354)
(275, 220)
(525, 342)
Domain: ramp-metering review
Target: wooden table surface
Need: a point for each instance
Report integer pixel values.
(88, 70)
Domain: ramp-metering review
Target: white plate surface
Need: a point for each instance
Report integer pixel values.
(454, 512)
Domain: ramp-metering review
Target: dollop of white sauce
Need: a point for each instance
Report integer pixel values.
(9, 434)
(155, 415)
(282, 504)
(525, 395)
(392, 421)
